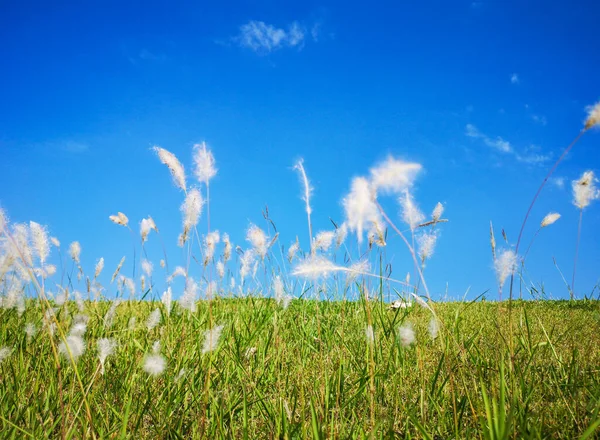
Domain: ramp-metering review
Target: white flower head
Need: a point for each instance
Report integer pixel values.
(584, 190)
(106, 347)
(324, 240)
(39, 237)
(505, 265)
(72, 347)
(411, 214)
(147, 267)
(154, 364)
(426, 243)
(153, 320)
(549, 219)
(211, 339)
(258, 239)
(360, 207)
(204, 162)
(433, 328)
(191, 209)
(393, 175)
(593, 117)
(175, 167)
(5, 352)
(75, 251)
(119, 219)
(406, 334)
(437, 212)
(99, 267)
(166, 299)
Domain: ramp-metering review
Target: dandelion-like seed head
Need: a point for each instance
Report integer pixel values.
(154, 364)
(406, 334)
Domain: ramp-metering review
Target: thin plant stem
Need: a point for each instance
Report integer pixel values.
(576, 254)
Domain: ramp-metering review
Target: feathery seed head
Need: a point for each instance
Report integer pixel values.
(323, 240)
(188, 299)
(370, 334)
(505, 265)
(175, 167)
(227, 250)
(426, 242)
(178, 272)
(211, 339)
(153, 319)
(550, 219)
(191, 209)
(220, 269)
(75, 251)
(166, 299)
(246, 261)
(39, 237)
(205, 163)
(306, 185)
(411, 214)
(99, 267)
(340, 235)
(437, 212)
(294, 248)
(5, 352)
(106, 347)
(119, 219)
(360, 206)
(72, 347)
(146, 225)
(584, 190)
(55, 242)
(117, 270)
(433, 328)
(406, 334)
(393, 175)
(147, 267)
(593, 118)
(258, 239)
(154, 364)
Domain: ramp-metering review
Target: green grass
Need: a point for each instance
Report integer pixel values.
(313, 374)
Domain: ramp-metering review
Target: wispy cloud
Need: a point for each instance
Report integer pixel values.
(532, 155)
(264, 38)
(498, 143)
(559, 182)
(539, 119)
(514, 79)
(74, 147)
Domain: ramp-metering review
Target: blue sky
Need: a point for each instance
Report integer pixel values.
(483, 94)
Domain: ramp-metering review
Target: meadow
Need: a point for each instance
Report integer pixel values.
(279, 342)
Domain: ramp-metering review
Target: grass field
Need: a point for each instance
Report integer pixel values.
(309, 371)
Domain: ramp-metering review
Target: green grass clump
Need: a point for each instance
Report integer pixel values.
(309, 372)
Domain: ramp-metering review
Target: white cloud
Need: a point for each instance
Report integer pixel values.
(531, 156)
(514, 79)
(559, 182)
(540, 119)
(264, 38)
(497, 143)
